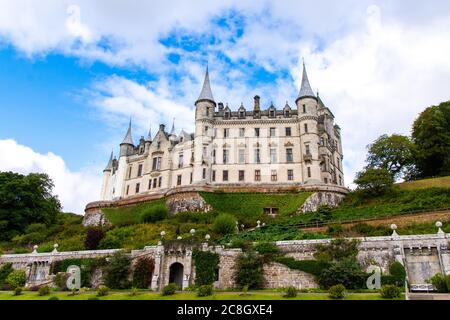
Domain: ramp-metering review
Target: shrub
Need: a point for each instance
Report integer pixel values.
(266, 248)
(117, 271)
(205, 290)
(337, 292)
(206, 265)
(224, 224)
(44, 290)
(61, 280)
(5, 270)
(438, 282)
(142, 273)
(16, 279)
(18, 291)
(390, 292)
(249, 271)
(153, 214)
(398, 273)
(347, 273)
(102, 291)
(53, 298)
(93, 238)
(291, 292)
(313, 267)
(169, 290)
(374, 181)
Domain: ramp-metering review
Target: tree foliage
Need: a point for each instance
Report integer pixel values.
(25, 200)
(431, 135)
(393, 153)
(117, 271)
(374, 181)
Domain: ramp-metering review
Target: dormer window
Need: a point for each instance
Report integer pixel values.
(287, 113)
(241, 114)
(227, 114)
(272, 113)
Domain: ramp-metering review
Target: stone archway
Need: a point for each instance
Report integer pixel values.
(176, 274)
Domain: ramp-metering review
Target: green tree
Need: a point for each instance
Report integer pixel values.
(393, 153)
(25, 200)
(431, 135)
(374, 181)
(224, 224)
(117, 271)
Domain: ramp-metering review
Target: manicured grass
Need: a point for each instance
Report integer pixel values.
(251, 205)
(440, 182)
(131, 214)
(145, 295)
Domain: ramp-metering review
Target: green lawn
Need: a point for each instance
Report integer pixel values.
(130, 214)
(441, 182)
(145, 295)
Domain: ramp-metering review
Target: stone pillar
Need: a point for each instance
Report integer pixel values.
(156, 278)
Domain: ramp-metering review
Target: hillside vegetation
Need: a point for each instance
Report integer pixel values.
(439, 182)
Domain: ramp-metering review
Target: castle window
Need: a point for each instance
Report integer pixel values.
(325, 180)
(257, 156)
(306, 127)
(129, 172)
(288, 131)
(309, 172)
(128, 189)
(272, 132)
(340, 180)
(304, 108)
(154, 182)
(290, 175)
(225, 156)
(227, 115)
(215, 132)
(206, 130)
(273, 175)
(241, 155)
(191, 178)
(272, 113)
(149, 184)
(213, 176)
(179, 180)
(156, 165)
(241, 132)
(204, 173)
(226, 133)
(180, 160)
(138, 185)
(257, 175)
(307, 150)
(241, 175)
(205, 152)
(225, 175)
(287, 113)
(273, 155)
(214, 156)
(289, 155)
(158, 145)
(207, 112)
(241, 114)
(322, 141)
(159, 182)
(139, 170)
(256, 132)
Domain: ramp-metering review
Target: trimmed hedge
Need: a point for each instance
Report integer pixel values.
(313, 267)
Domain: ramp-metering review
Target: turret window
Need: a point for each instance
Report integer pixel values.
(305, 126)
(207, 112)
(307, 150)
(304, 108)
(139, 170)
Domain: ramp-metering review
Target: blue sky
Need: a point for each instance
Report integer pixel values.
(72, 73)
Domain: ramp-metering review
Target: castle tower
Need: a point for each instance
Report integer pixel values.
(307, 105)
(106, 184)
(126, 149)
(204, 115)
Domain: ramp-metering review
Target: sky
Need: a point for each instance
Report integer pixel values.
(73, 73)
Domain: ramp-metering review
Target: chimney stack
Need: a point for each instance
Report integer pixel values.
(256, 107)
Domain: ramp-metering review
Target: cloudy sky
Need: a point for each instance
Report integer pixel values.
(72, 73)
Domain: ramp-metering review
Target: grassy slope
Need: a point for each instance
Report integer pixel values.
(185, 296)
(441, 182)
(131, 214)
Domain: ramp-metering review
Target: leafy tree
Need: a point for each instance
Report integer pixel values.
(142, 273)
(224, 224)
(93, 238)
(393, 153)
(374, 181)
(249, 271)
(117, 271)
(25, 200)
(431, 135)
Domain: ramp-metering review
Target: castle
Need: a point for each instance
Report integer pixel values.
(298, 146)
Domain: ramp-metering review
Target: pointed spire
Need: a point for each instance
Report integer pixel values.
(172, 131)
(149, 136)
(128, 138)
(305, 88)
(206, 93)
(109, 166)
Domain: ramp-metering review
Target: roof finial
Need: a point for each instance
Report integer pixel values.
(206, 93)
(172, 132)
(149, 136)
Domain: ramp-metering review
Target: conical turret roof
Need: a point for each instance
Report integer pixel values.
(206, 93)
(128, 137)
(109, 166)
(305, 88)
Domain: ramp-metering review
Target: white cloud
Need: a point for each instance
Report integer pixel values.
(74, 189)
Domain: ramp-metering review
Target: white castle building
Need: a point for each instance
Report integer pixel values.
(286, 147)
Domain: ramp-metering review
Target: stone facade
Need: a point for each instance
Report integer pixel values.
(287, 146)
(321, 198)
(187, 202)
(422, 255)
